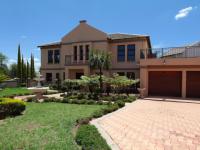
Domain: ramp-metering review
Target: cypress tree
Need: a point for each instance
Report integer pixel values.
(27, 72)
(32, 68)
(22, 69)
(19, 64)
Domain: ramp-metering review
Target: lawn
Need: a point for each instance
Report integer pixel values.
(14, 91)
(44, 126)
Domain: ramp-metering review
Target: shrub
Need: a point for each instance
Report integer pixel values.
(83, 121)
(11, 107)
(98, 114)
(120, 103)
(90, 139)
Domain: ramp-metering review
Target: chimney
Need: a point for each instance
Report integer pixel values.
(83, 21)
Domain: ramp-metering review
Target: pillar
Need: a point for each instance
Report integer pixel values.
(184, 78)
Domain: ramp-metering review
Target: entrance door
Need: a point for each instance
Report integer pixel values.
(193, 84)
(165, 83)
(79, 74)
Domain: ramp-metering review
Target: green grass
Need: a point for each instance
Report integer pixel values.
(90, 139)
(44, 126)
(14, 91)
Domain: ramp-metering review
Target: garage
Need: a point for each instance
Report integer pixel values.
(193, 84)
(165, 83)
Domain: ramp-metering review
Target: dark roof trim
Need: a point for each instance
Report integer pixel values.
(50, 44)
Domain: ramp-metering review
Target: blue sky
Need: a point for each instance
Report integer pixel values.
(33, 22)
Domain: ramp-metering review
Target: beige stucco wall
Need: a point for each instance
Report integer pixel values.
(84, 35)
(169, 64)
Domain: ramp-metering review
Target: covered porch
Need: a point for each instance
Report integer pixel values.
(75, 72)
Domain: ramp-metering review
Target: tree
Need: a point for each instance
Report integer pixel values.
(22, 70)
(3, 59)
(32, 67)
(27, 72)
(19, 71)
(3, 76)
(13, 70)
(99, 59)
(119, 83)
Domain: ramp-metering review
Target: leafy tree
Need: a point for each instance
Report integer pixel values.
(3, 59)
(13, 70)
(70, 85)
(99, 59)
(3, 76)
(121, 82)
(91, 83)
(19, 66)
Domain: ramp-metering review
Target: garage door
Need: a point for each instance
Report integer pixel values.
(165, 83)
(193, 84)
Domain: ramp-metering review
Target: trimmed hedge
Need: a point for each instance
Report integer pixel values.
(90, 139)
(11, 107)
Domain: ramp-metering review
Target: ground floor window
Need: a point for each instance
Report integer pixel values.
(130, 75)
(63, 75)
(78, 75)
(121, 73)
(49, 77)
(57, 76)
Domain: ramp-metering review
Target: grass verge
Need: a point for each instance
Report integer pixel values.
(90, 139)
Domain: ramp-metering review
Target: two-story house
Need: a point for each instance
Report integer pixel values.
(69, 57)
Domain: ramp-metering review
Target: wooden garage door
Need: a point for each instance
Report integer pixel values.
(165, 83)
(193, 84)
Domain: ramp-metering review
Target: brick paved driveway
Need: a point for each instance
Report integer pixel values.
(156, 125)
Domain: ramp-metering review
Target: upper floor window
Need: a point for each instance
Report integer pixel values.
(81, 52)
(131, 52)
(121, 52)
(57, 56)
(75, 52)
(50, 56)
(87, 50)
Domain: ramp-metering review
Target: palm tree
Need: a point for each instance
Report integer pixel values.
(99, 59)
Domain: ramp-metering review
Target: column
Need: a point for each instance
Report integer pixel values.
(184, 78)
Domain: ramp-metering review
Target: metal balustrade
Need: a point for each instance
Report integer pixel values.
(171, 52)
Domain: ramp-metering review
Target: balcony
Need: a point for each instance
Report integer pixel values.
(71, 60)
(172, 52)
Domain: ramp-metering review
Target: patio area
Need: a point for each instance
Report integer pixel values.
(153, 125)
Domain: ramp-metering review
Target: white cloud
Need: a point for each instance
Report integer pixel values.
(159, 45)
(11, 61)
(183, 13)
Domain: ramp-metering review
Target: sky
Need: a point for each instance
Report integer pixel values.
(33, 22)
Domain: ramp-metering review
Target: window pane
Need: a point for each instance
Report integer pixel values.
(50, 56)
(131, 52)
(75, 52)
(81, 52)
(130, 75)
(63, 75)
(121, 73)
(57, 76)
(48, 77)
(57, 56)
(87, 49)
(121, 52)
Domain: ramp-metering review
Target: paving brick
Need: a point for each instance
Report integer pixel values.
(157, 125)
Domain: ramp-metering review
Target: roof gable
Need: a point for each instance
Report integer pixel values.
(84, 32)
